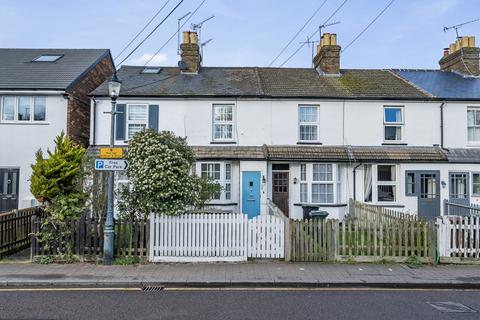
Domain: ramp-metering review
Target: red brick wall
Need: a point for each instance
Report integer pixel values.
(78, 113)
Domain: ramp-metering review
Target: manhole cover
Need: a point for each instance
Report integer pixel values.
(451, 307)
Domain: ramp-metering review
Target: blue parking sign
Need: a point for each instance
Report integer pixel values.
(99, 164)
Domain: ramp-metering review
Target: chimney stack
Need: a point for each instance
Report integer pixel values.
(190, 52)
(462, 56)
(327, 59)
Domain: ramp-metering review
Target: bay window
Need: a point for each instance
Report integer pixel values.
(220, 173)
(393, 124)
(476, 183)
(23, 109)
(223, 122)
(319, 183)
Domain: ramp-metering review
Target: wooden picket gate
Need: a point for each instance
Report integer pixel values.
(459, 238)
(215, 237)
(266, 237)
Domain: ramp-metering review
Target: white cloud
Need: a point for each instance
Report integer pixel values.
(159, 59)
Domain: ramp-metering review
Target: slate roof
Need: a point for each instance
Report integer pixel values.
(444, 84)
(264, 82)
(457, 155)
(325, 153)
(17, 71)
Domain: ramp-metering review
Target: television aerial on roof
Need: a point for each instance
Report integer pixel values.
(457, 26)
(198, 27)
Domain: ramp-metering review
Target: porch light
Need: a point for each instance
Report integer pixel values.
(295, 180)
(264, 180)
(114, 86)
(444, 184)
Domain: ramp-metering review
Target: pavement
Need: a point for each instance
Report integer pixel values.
(249, 274)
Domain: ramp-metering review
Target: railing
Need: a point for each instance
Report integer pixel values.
(15, 228)
(457, 209)
(86, 239)
(370, 213)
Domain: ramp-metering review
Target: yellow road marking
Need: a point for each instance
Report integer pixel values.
(69, 289)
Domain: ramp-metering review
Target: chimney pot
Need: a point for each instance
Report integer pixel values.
(327, 59)
(462, 56)
(191, 52)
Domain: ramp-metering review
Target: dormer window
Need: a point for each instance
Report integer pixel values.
(151, 70)
(48, 58)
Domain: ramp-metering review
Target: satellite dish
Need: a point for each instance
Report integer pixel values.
(182, 65)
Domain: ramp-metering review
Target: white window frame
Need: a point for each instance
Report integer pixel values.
(376, 183)
(473, 194)
(16, 106)
(223, 122)
(307, 123)
(400, 124)
(128, 122)
(309, 182)
(223, 181)
(474, 110)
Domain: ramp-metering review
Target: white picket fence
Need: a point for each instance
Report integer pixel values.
(215, 237)
(459, 236)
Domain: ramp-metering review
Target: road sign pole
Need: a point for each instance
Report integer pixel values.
(109, 231)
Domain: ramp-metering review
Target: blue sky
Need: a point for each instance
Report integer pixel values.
(245, 32)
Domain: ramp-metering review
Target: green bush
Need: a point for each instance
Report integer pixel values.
(126, 261)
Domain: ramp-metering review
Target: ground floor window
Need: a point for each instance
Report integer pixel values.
(476, 183)
(221, 173)
(319, 183)
(380, 183)
(458, 185)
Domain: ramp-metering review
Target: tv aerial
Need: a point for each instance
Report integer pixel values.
(203, 45)
(457, 26)
(179, 21)
(198, 26)
(323, 26)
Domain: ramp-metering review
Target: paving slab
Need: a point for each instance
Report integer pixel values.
(240, 274)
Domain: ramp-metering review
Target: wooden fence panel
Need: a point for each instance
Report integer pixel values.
(459, 238)
(15, 229)
(313, 239)
(266, 237)
(86, 239)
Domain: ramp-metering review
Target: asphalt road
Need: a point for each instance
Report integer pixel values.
(235, 304)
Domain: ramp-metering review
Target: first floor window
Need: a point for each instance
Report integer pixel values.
(476, 183)
(23, 108)
(137, 117)
(308, 123)
(223, 122)
(393, 123)
(319, 183)
(473, 122)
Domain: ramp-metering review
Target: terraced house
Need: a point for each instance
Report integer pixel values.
(313, 137)
(42, 93)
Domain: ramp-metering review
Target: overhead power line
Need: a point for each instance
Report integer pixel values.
(141, 31)
(296, 34)
(152, 32)
(313, 34)
(175, 33)
(368, 26)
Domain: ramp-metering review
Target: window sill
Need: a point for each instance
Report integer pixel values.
(473, 145)
(387, 205)
(393, 143)
(320, 205)
(223, 204)
(26, 123)
(223, 142)
(318, 143)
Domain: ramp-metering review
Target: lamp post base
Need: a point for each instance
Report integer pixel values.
(108, 247)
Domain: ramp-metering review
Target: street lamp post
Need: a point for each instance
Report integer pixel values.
(114, 91)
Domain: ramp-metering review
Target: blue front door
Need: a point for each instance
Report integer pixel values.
(251, 193)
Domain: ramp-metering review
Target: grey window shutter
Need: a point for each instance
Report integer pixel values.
(120, 122)
(153, 117)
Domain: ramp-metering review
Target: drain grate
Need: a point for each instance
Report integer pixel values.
(451, 307)
(147, 288)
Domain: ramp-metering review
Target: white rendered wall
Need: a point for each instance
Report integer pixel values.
(20, 141)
